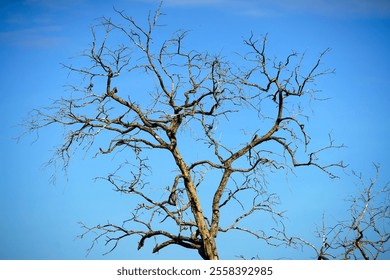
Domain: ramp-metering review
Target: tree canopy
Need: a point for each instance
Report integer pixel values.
(217, 126)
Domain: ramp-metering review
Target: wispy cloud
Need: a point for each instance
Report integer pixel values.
(34, 37)
(32, 24)
(55, 5)
(337, 8)
(330, 8)
(193, 2)
(188, 3)
(35, 23)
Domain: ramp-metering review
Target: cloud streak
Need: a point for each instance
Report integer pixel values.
(329, 8)
(35, 37)
(34, 24)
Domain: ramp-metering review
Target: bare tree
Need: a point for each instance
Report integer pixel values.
(366, 234)
(195, 97)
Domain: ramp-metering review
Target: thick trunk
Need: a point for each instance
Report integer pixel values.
(208, 251)
(208, 248)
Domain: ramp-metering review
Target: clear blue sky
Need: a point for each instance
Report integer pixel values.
(39, 220)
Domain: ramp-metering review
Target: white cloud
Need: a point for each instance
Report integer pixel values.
(186, 3)
(35, 23)
(41, 37)
(193, 2)
(54, 5)
(354, 8)
(336, 8)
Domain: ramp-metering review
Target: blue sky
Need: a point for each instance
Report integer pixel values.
(40, 220)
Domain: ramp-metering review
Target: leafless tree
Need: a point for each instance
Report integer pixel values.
(365, 235)
(193, 98)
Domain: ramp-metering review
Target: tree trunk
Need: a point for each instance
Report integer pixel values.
(208, 249)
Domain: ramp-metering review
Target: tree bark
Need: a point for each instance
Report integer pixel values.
(208, 248)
